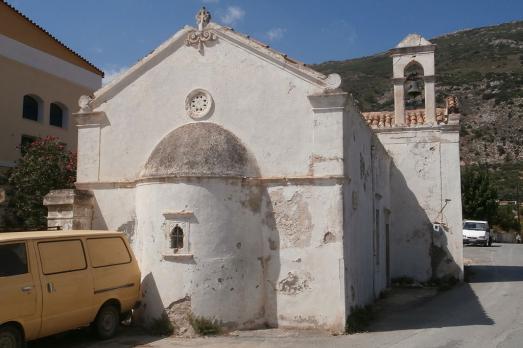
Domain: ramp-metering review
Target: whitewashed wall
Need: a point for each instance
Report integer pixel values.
(366, 190)
(425, 174)
(298, 243)
(275, 120)
(287, 270)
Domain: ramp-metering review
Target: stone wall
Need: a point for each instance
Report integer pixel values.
(69, 209)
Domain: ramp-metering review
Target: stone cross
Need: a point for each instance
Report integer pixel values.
(203, 17)
(198, 38)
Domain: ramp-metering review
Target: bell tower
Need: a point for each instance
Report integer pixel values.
(413, 78)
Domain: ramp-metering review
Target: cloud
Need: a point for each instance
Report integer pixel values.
(232, 15)
(275, 34)
(98, 50)
(113, 72)
(341, 28)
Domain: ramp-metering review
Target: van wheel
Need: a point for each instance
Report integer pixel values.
(10, 337)
(107, 322)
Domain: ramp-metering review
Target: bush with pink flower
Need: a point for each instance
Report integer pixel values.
(46, 165)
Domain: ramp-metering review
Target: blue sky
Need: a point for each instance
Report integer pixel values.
(114, 34)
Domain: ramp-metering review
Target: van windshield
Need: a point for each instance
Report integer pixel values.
(477, 226)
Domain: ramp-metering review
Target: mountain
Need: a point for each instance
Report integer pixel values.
(483, 67)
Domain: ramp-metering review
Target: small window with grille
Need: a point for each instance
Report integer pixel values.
(177, 231)
(177, 238)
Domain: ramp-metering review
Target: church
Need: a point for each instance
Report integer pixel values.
(253, 190)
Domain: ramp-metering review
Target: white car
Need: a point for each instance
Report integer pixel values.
(476, 232)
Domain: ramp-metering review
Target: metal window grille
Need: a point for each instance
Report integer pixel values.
(177, 238)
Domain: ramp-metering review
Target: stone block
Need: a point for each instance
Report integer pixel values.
(69, 209)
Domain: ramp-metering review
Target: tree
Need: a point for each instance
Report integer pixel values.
(45, 166)
(478, 195)
(506, 218)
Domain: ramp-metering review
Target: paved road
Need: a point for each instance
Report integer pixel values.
(486, 312)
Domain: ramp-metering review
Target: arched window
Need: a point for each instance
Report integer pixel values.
(414, 86)
(177, 238)
(56, 115)
(31, 109)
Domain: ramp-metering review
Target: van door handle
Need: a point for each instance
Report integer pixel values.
(26, 289)
(50, 287)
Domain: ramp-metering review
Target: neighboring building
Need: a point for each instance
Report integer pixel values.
(41, 81)
(252, 189)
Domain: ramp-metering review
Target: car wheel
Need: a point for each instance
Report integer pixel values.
(11, 337)
(107, 321)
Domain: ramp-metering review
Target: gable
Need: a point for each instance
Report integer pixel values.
(258, 101)
(219, 33)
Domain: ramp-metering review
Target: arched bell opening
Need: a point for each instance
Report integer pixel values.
(414, 86)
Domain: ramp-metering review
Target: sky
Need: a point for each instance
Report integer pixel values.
(115, 34)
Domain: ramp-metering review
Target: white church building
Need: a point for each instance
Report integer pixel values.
(252, 189)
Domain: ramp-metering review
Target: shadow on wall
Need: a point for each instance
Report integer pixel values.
(457, 307)
(271, 264)
(154, 301)
(99, 223)
(417, 249)
(98, 218)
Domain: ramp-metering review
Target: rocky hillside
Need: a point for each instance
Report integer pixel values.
(483, 67)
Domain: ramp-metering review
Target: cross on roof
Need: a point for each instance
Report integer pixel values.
(203, 17)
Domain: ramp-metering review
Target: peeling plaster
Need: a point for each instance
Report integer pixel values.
(329, 237)
(292, 218)
(254, 197)
(294, 284)
(179, 313)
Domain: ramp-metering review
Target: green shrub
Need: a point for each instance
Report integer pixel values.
(506, 218)
(463, 131)
(478, 194)
(206, 327)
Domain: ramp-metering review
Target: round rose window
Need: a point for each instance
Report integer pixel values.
(198, 104)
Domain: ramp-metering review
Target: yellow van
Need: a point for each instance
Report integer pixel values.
(56, 281)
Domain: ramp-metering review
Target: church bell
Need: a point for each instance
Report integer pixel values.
(414, 89)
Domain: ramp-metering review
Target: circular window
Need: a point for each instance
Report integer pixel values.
(198, 104)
